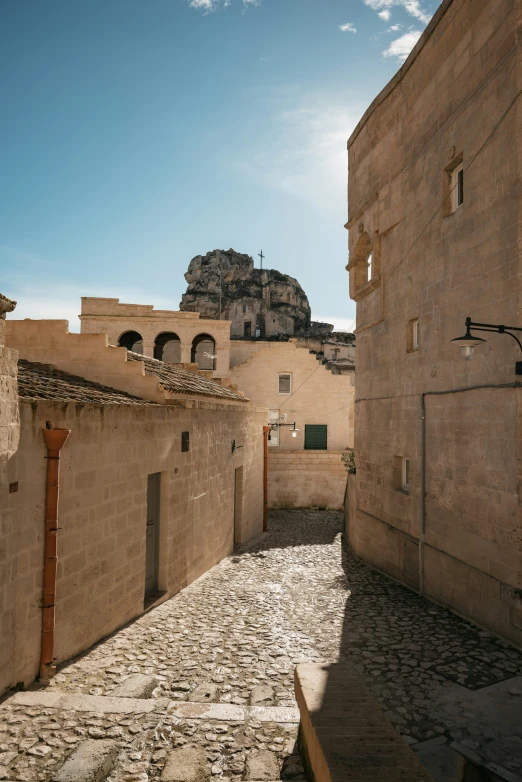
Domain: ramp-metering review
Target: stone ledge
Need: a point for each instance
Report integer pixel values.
(224, 712)
(344, 734)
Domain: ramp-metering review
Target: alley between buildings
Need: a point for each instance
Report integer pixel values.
(216, 663)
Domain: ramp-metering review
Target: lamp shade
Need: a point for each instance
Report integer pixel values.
(467, 345)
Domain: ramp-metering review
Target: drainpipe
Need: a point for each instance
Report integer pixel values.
(266, 430)
(54, 441)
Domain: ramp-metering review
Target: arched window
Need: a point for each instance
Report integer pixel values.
(132, 341)
(168, 347)
(362, 264)
(204, 351)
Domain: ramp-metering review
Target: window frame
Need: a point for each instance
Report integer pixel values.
(309, 427)
(415, 334)
(457, 186)
(273, 442)
(405, 475)
(289, 376)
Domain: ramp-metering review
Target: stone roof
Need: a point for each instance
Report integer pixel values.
(181, 381)
(43, 381)
(6, 305)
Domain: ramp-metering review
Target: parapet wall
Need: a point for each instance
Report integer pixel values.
(306, 479)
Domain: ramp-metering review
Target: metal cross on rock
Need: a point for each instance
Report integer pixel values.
(261, 256)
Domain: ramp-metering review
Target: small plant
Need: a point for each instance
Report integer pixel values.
(348, 459)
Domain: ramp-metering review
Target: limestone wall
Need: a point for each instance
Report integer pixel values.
(105, 463)
(318, 396)
(108, 316)
(453, 101)
(305, 479)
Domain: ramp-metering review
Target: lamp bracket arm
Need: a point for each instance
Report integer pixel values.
(500, 329)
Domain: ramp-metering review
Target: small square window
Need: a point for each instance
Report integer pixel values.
(285, 384)
(457, 187)
(316, 437)
(185, 441)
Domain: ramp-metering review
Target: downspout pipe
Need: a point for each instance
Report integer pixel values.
(266, 431)
(54, 440)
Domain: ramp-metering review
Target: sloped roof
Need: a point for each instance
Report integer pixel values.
(43, 381)
(181, 381)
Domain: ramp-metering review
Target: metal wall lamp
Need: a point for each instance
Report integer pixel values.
(293, 431)
(468, 342)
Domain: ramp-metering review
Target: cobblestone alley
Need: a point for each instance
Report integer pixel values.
(222, 655)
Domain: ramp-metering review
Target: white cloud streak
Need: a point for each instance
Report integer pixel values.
(401, 47)
(301, 148)
(394, 28)
(384, 15)
(413, 7)
(348, 27)
(208, 6)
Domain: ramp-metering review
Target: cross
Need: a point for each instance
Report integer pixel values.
(261, 256)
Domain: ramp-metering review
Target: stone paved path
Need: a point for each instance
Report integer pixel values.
(235, 636)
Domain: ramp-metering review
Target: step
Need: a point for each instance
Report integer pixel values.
(92, 761)
(344, 733)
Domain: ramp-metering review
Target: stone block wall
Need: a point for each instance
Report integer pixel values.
(102, 517)
(455, 99)
(318, 396)
(305, 479)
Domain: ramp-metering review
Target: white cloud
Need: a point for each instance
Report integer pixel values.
(204, 5)
(300, 148)
(401, 47)
(347, 28)
(394, 28)
(413, 7)
(384, 15)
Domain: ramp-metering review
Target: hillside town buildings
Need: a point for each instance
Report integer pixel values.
(152, 490)
(434, 237)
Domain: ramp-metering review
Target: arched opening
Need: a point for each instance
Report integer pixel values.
(204, 351)
(168, 347)
(362, 262)
(132, 341)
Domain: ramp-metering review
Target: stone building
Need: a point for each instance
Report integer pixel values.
(9, 422)
(152, 493)
(258, 302)
(169, 336)
(314, 391)
(434, 237)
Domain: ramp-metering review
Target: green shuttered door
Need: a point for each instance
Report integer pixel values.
(315, 437)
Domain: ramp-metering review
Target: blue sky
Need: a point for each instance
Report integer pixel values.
(140, 133)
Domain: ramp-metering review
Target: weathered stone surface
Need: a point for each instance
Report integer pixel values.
(262, 765)
(270, 301)
(262, 693)
(204, 693)
(137, 685)
(188, 764)
(92, 761)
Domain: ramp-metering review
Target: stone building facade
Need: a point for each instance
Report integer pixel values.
(434, 236)
(150, 445)
(318, 395)
(168, 335)
(9, 421)
(258, 302)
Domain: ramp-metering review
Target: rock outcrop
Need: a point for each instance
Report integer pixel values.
(259, 302)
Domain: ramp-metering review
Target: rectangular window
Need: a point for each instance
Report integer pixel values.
(316, 437)
(457, 187)
(285, 384)
(415, 334)
(185, 442)
(370, 266)
(405, 476)
(273, 418)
